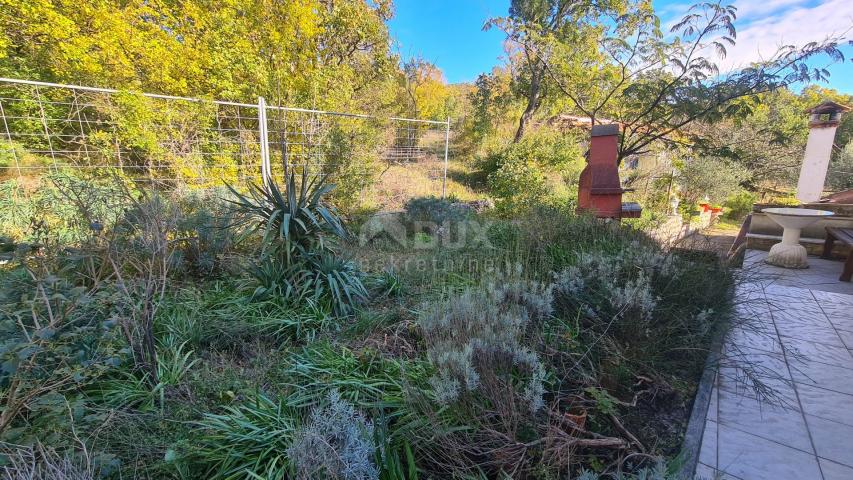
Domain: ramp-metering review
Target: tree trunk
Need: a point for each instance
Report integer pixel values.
(522, 123)
(533, 97)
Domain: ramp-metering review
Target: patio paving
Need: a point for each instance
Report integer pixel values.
(782, 403)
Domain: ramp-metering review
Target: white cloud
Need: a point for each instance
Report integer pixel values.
(765, 25)
(761, 37)
(751, 9)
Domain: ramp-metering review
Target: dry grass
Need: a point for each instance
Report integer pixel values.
(405, 181)
(42, 463)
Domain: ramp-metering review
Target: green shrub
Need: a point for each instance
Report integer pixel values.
(840, 175)
(787, 201)
(60, 208)
(740, 204)
(542, 167)
(55, 338)
(435, 210)
(505, 182)
(710, 177)
(205, 233)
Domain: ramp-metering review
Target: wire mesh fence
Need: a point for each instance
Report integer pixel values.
(167, 141)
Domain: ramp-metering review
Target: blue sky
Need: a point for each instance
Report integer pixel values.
(449, 32)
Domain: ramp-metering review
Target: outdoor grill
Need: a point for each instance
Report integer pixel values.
(600, 190)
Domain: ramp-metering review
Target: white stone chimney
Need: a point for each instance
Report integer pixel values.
(823, 121)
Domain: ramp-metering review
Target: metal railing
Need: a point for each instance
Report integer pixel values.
(168, 139)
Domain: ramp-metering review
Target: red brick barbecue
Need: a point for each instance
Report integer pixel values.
(600, 190)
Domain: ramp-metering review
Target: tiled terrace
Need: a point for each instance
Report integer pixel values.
(782, 403)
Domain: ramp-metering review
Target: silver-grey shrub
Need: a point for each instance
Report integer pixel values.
(337, 442)
(485, 329)
(641, 299)
(603, 285)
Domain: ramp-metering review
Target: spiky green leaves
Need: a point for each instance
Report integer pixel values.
(299, 230)
(296, 218)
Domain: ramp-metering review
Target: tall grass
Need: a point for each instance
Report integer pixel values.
(221, 314)
(366, 377)
(247, 441)
(135, 389)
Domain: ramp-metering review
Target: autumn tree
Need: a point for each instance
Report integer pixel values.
(494, 98)
(309, 52)
(426, 90)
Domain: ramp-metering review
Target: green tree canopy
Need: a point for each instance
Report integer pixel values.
(610, 59)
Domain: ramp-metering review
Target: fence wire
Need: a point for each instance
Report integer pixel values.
(168, 141)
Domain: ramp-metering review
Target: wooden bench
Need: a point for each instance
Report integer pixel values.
(845, 236)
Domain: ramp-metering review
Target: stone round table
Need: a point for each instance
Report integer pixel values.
(789, 253)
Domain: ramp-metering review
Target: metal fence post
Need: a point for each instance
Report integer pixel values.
(264, 141)
(46, 129)
(9, 137)
(446, 153)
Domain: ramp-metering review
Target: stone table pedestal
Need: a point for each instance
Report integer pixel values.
(789, 253)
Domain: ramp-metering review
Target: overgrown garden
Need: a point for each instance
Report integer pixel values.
(259, 334)
(157, 324)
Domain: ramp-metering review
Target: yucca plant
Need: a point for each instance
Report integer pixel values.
(296, 220)
(299, 229)
(338, 281)
(278, 275)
